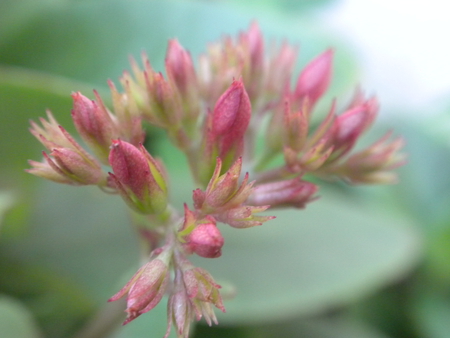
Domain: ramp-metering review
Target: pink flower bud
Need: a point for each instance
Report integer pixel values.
(296, 127)
(351, 124)
(243, 216)
(231, 117)
(251, 45)
(180, 313)
(223, 191)
(280, 69)
(164, 109)
(76, 167)
(315, 78)
(127, 112)
(179, 67)
(94, 123)
(201, 286)
(255, 43)
(373, 164)
(138, 178)
(146, 288)
(52, 135)
(205, 240)
(71, 164)
(47, 171)
(288, 193)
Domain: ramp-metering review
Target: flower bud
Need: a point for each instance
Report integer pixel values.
(255, 42)
(350, 125)
(138, 178)
(180, 312)
(223, 191)
(73, 165)
(229, 122)
(47, 171)
(127, 111)
(201, 285)
(52, 135)
(315, 78)
(289, 193)
(95, 124)
(296, 127)
(146, 288)
(180, 68)
(205, 240)
(243, 216)
(280, 68)
(373, 164)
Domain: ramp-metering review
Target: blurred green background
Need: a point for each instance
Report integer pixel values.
(362, 262)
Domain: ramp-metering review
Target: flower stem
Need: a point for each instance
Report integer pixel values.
(104, 322)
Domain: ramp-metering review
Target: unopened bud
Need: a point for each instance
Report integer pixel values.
(95, 124)
(315, 78)
(73, 165)
(201, 285)
(146, 288)
(205, 240)
(223, 191)
(243, 217)
(288, 193)
(138, 178)
(350, 125)
(231, 117)
(179, 67)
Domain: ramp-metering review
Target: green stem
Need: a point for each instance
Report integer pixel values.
(104, 322)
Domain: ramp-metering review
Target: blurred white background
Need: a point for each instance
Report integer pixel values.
(404, 48)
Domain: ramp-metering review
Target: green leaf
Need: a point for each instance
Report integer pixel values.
(334, 326)
(6, 202)
(152, 324)
(25, 95)
(58, 304)
(325, 327)
(308, 261)
(16, 320)
(431, 311)
(424, 187)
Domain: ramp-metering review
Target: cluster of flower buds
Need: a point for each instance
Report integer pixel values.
(216, 115)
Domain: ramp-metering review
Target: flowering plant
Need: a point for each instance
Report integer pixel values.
(216, 114)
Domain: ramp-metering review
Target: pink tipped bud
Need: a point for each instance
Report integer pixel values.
(180, 313)
(289, 193)
(52, 135)
(126, 109)
(73, 165)
(205, 240)
(47, 171)
(179, 67)
(243, 216)
(94, 123)
(256, 46)
(296, 127)
(200, 285)
(374, 164)
(351, 124)
(138, 178)
(315, 78)
(231, 117)
(146, 288)
(280, 69)
(223, 191)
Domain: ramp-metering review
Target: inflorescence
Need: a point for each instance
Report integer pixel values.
(216, 113)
